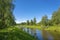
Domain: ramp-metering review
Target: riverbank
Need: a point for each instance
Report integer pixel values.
(13, 33)
(55, 34)
(51, 28)
(31, 26)
(54, 31)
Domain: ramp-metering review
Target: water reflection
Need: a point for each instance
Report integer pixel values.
(47, 35)
(40, 34)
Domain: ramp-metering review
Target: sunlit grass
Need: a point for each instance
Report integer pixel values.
(31, 26)
(14, 34)
(53, 28)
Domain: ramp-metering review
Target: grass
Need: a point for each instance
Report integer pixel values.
(53, 28)
(57, 28)
(31, 26)
(14, 34)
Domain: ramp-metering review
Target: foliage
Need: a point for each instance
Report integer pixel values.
(56, 17)
(34, 20)
(28, 22)
(44, 21)
(14, 34)
(6, 16)
(31, 23)
(23, 23)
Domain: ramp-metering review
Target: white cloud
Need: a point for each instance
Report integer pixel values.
(19, 21)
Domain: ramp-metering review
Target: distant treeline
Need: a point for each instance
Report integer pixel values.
(29, 22)
(55, 20)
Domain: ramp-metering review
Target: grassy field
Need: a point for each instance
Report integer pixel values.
(14, 34)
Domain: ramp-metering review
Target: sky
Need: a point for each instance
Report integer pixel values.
(28, 9)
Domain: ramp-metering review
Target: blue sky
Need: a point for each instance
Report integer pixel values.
(28, 9)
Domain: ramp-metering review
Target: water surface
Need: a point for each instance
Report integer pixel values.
(42, 34)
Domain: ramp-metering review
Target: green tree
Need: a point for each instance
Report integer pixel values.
(23, 23)
(56, 17)
(31, 22)
(44, 21)
(34, 21)
(6, 16)
(28, 22)
(50, 23)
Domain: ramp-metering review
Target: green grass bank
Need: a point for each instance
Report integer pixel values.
(51, 28)
(14, 34)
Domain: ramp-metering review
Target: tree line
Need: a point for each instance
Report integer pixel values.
(29, 22)
(55, 20)
(6, 13)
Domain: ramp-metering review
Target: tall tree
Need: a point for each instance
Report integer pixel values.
(31, 22)
(44, 21)
(28, 22)
(34, 21)
(6, 16)
(56, 17)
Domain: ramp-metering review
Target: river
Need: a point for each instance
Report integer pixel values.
(40, 34)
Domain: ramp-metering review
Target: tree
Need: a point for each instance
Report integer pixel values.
(50, 23)
(56, 17)
(23, 23)
(31, 22)
(34, 21)
(28, 22)
(44, 21)
(6, 16)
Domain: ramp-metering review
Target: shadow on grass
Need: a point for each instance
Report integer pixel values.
(15, 34)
